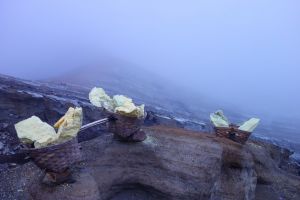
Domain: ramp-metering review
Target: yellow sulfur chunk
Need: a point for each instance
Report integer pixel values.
(219, 119)
(36, 131)
(249, 125)
(70, 124)
(33, 130)
(43, 142)
(120, 100)
(99, 98)
(119, 104)
(125, 106)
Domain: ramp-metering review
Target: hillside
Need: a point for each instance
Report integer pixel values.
(173, 163)
(121, 77)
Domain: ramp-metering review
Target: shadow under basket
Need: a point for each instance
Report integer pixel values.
(56, 158)
(233, 133)
(126, 128)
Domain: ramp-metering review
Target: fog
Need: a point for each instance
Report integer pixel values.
(246, 53)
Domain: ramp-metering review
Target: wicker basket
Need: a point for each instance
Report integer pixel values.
(56, 158)
(233, 133)
(124, 127)
(223, 131)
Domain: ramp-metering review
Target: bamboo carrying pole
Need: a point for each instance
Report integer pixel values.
(92, 124)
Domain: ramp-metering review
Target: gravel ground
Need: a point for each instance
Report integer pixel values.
(16, 179)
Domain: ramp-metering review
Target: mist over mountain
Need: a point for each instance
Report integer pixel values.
(184, 60)
(189, 58)
(117, 76)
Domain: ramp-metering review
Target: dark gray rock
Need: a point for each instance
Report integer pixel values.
(171, 163)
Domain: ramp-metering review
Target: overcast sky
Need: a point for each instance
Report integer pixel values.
(243, 52)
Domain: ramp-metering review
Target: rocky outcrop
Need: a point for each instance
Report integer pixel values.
(172, 163)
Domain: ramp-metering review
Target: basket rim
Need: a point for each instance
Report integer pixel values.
(125, 116)
(53, 146)
(234, 128)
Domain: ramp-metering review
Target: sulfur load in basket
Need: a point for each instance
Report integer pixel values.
(125, 118)
(126, 128)
(54, 152)
(223, 128)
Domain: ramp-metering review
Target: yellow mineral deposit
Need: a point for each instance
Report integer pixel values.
(249, 125)
(70, 124)
(124, 106)
(33, 130)
(119, 104)
(219, 119)
(99, 98)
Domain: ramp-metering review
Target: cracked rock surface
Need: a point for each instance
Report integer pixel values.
(171, 163)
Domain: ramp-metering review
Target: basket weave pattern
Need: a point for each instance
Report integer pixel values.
(233, 133)
(124, 126)
(57, 158)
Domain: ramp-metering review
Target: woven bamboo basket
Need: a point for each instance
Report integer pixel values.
(223, 131)
(124, 126)
(233, 133)
(56, 158)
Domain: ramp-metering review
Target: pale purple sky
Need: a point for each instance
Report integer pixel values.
(220, 48)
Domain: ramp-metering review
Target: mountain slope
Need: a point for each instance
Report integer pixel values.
(120, 77)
